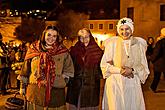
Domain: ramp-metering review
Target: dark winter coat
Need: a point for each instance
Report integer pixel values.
(86, 81)
(158, 56)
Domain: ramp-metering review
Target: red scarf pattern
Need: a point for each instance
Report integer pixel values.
(46, 66)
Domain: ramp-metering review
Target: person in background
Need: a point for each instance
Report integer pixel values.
(22, 50)
(16, 66)
(150, 49)
(46, 71)
(124, 66)
(84, 89)
(4, 67)
(11, 53)
(161, 36)
(158, 60)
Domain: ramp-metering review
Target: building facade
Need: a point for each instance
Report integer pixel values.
(101, 29)
(148, 16)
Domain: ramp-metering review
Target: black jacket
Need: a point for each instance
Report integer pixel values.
(158, 56)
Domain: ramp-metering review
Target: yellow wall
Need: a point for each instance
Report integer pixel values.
(105, 29)
(146, 16)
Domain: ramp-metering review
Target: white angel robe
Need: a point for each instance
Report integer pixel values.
(122, 93)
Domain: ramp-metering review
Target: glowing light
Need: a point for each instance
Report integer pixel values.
(2, 12)
(37, 10)
(43, 11)
(17, 44)
(101, 37)
(30, 11)
(16, 13)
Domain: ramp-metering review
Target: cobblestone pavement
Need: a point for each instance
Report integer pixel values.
(154, 101)
(11, 92)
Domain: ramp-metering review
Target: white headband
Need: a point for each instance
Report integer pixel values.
(125, 21)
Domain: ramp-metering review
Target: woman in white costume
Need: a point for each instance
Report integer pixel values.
(124, 66)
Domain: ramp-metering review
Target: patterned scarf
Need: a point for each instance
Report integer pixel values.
(46, 65)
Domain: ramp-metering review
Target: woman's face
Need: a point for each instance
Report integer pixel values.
(125, 32)
(50, 37)
(85, 37)
(150, 41)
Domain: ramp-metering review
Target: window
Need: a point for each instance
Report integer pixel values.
(91, 26)
(110, 26)
(100, 26)
(130, 12)
(14, 13)
(162, 12)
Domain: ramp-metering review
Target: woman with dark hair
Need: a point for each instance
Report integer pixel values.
(84, 89)
(46, 71)
(150, 48)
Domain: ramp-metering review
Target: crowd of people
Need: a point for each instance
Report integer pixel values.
(9, 56)
(56, 78)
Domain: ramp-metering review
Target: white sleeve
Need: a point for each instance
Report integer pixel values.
(142, 42)
(142, 71)
(106, 67)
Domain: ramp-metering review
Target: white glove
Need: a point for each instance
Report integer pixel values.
(22, 91)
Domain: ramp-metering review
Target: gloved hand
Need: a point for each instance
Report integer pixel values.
(66, 80)
(22, 91)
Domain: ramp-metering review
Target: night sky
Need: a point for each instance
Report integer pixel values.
(110, 8)
(75, 4)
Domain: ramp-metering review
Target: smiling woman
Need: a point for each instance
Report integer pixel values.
(47, 68)
(84, 89)
(50, 37)
(124, 66)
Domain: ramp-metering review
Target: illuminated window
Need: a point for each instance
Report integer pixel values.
(91, 26)
(130, 12)
(100, 26)
(162, 12)
(110, 26)
(14, 13)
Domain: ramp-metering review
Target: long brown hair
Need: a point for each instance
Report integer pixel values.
(42, 38)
